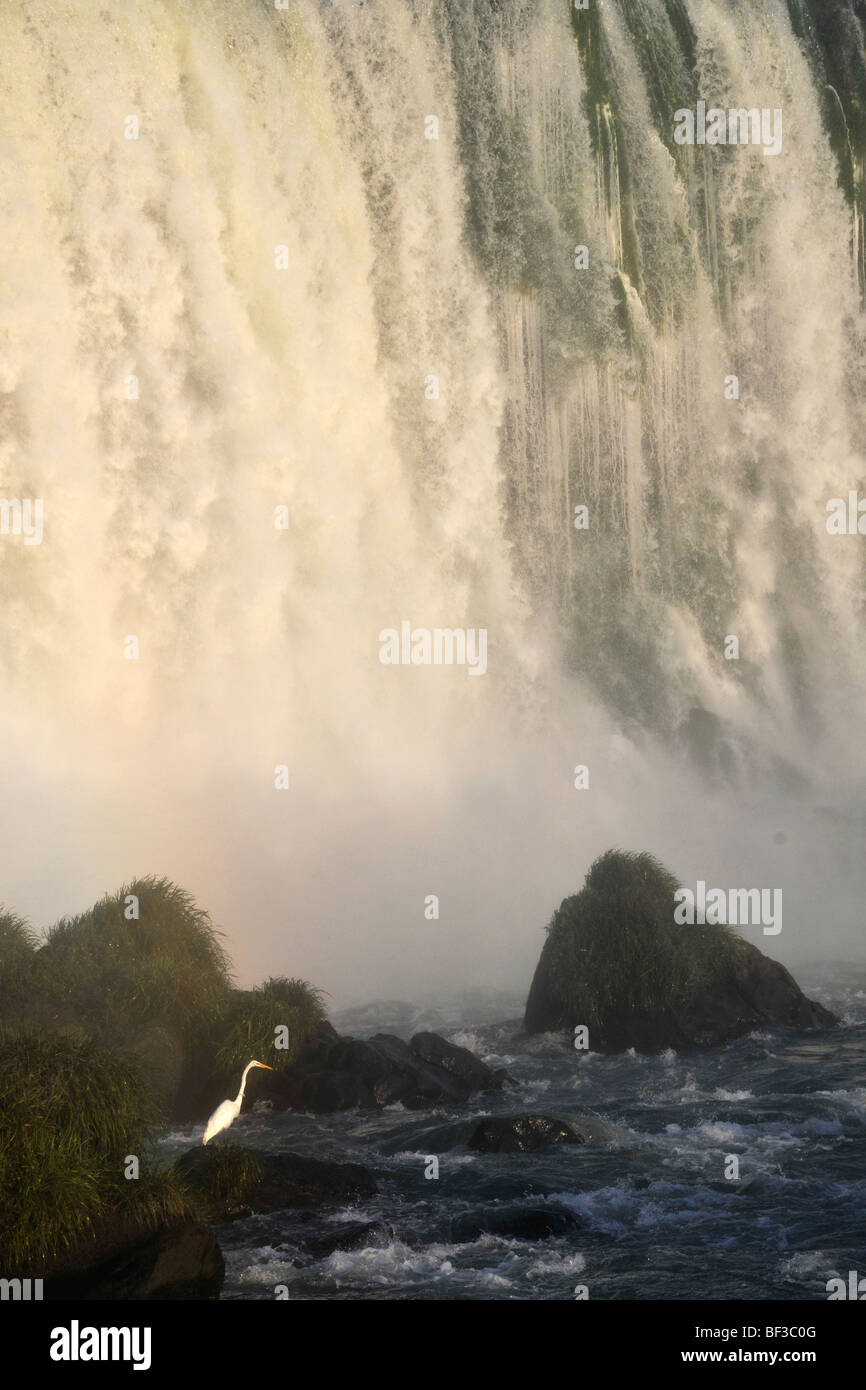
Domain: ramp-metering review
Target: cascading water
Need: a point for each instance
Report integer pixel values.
(286, 288)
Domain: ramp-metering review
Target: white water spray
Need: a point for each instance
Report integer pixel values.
(428, 392)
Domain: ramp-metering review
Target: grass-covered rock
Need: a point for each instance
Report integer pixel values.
(616, 961)
(220, 1179)
(143, 954)
(271, 1022)
(121, 1018)
(74, 1114)
(18, 945)
(145, 973)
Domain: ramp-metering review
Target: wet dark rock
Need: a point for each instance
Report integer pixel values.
(507, 1134)
(757, 992)
(294, 1180)
(443, 1138)
(336, 1073)
(317, 1046)
(460, 1064)
(179, 1262)
(519, 1223)
(287, 1180)
(344, 1235)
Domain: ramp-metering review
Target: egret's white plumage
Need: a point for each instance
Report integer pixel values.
(227, 1112)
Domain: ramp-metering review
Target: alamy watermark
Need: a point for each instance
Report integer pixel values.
(21, 1290)
(734, 126)
(846, 518)
(855, 1289)
(734, 907)
(438, 646)
(77, 1343)
(22, 516)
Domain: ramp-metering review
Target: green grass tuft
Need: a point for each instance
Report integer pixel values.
(614, 948)
(17, 963)
(246, 1025)
(143, 971)
(169, 965)
(116, 1021)
(72, 1113)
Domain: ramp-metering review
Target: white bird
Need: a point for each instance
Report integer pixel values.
(228, 1111)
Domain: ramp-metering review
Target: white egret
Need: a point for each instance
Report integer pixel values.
(229, 1110)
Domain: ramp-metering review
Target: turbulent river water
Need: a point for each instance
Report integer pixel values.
(644, 1208)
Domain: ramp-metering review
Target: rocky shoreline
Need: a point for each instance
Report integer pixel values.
(613, 970)
(332, 1073)
(338, 1073)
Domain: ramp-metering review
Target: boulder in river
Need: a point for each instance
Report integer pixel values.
(616, 961)
(509, 1134)
(229, 1182)
(513, 1221)
(338, 1073)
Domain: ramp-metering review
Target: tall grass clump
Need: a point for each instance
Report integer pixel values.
(17, 963)
(117, 970)
(247, 1024)
(72, 1112)
(614, 949)
(145, 972)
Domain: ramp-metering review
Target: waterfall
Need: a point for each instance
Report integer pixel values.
(297, 346)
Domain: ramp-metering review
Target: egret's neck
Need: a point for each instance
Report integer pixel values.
(240, 1094)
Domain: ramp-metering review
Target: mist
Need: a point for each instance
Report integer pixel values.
(286, 370)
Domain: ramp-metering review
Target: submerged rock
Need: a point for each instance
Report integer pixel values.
(443, 1138)
(345, 1235)
(508, 1134)
(516, 1222)
(616, 962)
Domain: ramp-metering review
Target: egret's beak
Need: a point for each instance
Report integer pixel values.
(265, 1065)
